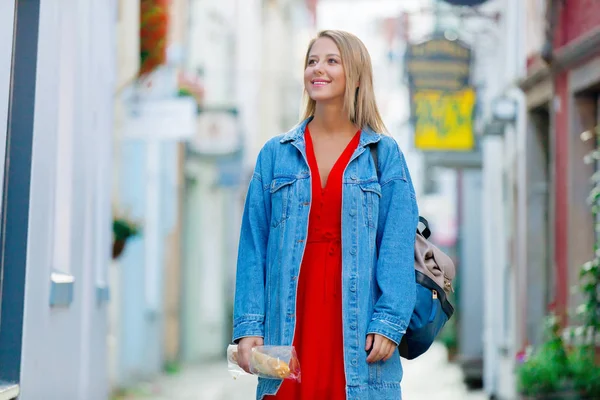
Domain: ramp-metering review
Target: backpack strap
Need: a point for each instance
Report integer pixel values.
(423, 226)
(373, 148)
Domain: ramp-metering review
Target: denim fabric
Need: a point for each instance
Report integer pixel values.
(379, 221)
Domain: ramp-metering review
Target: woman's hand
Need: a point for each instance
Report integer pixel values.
(381, 348)
(245, 346)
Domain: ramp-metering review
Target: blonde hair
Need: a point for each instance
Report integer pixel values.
(359, 102)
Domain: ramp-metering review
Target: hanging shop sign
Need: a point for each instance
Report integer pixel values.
(442, 98)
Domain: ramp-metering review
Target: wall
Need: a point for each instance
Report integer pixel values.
(212, 52)
(64, 348)
(128, 61)
(148, 192)
(469, 270)
(577, 18)
(504, 197)
(248, 19)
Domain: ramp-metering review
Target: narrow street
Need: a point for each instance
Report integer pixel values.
(428, 377)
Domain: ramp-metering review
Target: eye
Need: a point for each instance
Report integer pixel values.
(332, 61)
(312, 62)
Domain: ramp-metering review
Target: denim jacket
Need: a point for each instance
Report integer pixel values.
(379, 221)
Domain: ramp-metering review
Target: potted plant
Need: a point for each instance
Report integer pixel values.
(123, 229)
(544, 373)
(585, 371)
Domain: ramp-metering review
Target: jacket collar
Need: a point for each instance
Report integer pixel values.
(367, 135)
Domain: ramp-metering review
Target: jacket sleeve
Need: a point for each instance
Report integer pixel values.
(397, 225)
(249, 301)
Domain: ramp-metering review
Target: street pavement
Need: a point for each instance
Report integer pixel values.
(428, 377)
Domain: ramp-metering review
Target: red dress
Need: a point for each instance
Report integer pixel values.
(318, 338)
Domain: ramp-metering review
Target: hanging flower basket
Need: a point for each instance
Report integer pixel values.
(154, 29)
(123, 229)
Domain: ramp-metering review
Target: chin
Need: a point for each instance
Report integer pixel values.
(322, 97)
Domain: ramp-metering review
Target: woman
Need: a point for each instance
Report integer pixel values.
(325, 259)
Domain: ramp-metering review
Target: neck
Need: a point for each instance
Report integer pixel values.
(331, 119)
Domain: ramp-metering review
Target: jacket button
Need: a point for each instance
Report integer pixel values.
(353, 288)
(354, 362)
(354, 177)
(353, 327)
(353, 251)
(352, 212)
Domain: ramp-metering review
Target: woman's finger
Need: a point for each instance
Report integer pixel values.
(369, 342)
(374, 354)
(390, 351)
(244, 359)
(383, 348)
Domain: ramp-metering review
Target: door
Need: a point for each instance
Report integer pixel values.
(18, 55)
(538, 217)
(7, 21)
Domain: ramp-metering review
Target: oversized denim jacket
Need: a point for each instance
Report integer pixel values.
(379, 221)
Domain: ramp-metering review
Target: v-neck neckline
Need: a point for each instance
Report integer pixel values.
(313, 158)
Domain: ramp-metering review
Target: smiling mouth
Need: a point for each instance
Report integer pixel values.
(320, 83)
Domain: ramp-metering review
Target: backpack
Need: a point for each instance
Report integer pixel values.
(434, 272)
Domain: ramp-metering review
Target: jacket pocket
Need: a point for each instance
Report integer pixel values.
(371, 194)
(281, 199)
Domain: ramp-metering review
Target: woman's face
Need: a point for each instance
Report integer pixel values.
(324, 77)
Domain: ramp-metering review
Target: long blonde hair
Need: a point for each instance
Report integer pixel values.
(359, 102)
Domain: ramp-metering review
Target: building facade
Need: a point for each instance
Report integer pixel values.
(56, 213)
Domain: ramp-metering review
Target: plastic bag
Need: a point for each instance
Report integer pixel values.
(272, 362)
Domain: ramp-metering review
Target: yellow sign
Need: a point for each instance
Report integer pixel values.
(444, 120)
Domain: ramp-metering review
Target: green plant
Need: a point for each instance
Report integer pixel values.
(124, 228)
(172, 367)
(546, 371)
(583, 362)
(551, 369)
(585, 372)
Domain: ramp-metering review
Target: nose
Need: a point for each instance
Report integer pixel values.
(318, 68)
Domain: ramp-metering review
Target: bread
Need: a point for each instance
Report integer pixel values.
(270, 366)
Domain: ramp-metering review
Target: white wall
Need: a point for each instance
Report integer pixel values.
(248, 19)
(505, 246)
(213, 51)
(64, 351)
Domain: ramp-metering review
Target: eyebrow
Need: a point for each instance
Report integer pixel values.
(328, 55)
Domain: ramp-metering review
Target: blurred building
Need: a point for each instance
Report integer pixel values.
(153, 118)
(538, 231)
(57, 70)
(561, 87)
(244, 53)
